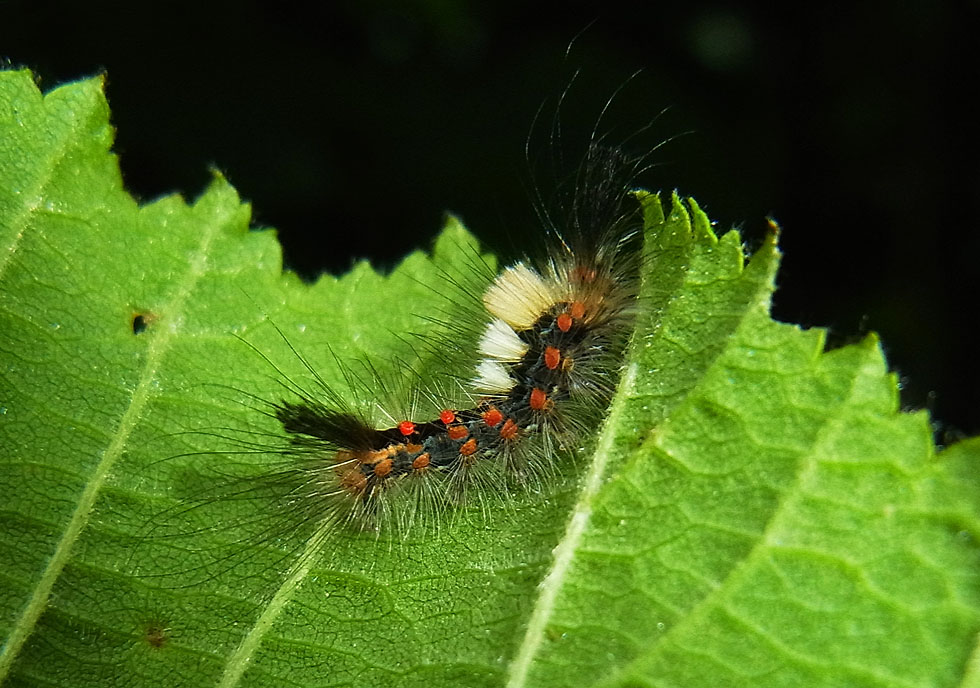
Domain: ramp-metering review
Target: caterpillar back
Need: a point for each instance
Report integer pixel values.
(553, 334)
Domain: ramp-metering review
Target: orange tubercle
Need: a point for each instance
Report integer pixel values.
(552, 357)
(457, 432)
(564, 322)
(539, 399)
(469, 447)
(492, 417)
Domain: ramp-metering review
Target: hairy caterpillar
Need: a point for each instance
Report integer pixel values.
(517, 382)
(553, 334)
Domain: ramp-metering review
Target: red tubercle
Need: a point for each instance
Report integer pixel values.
(492, 417)
(564, 322)
(447, 416)
(457, 432)
(539, 399)
(509, 431)
(578, 310)
(469, 447)
(406, 427)
(552, 357)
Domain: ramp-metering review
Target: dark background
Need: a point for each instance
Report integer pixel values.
(353, 127)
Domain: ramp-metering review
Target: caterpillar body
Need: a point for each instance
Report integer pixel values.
(548, 355)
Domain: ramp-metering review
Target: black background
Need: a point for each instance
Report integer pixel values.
(354, 126)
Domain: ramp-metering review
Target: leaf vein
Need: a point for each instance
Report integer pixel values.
(24, 625)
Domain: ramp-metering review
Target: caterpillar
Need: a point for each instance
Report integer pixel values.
(548, 353)
(526, 362)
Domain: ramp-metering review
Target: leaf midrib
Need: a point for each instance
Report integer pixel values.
(564, 553)
(239, 660)
(21, 220)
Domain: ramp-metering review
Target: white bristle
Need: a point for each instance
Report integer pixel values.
(519, 296)
(500, 342)
(492, 378)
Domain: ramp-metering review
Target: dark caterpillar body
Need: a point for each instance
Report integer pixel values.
(550, 353)
(549, 357)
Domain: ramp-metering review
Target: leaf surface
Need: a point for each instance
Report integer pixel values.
(755, 510)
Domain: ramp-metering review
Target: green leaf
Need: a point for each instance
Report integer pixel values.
(754, 511)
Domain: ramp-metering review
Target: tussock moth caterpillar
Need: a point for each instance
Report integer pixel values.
(553, 333)
(495, 404)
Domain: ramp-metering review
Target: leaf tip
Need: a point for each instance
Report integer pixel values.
(651, 207)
